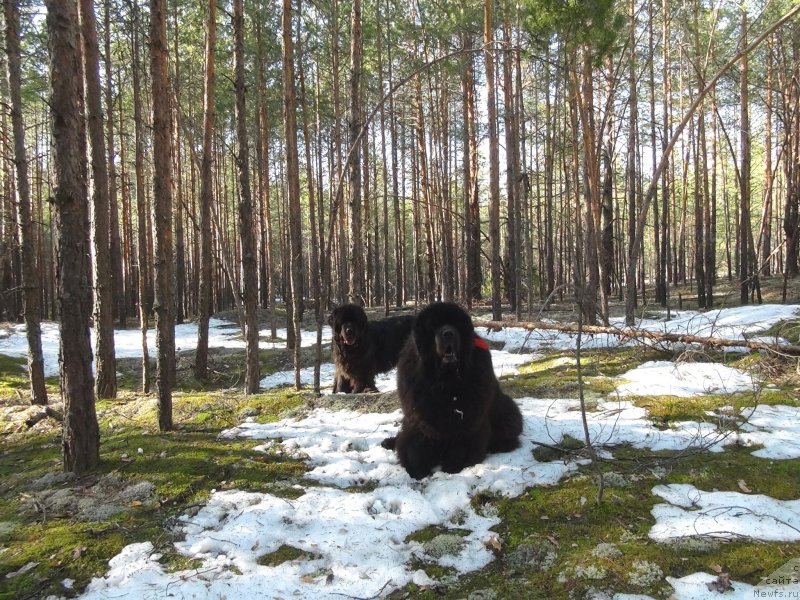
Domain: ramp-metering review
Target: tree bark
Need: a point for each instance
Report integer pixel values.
(791, 164)
(764, 244)
(356, 291)
(246, 229)
(293, 180)
(494, 162)
(429, 286)
(591, 178)
(549, 167)
(267, 272)
(206, 197)
(663, 276)
(30, 276)
(513, 251)
(80, 435)
(316, 288)
(180, 235)
(105, 360)
(141, 205)
(472, 216)
(164, 251)
(745, 233)
(118, 282)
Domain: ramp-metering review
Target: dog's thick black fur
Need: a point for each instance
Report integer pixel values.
(363, 348)
(454, 411)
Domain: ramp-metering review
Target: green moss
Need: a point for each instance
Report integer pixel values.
(789, 330)
(665, 410)
(173, 561)
(429, 533)
(13, 376)
(284, 554)
(187, 464)
(24, 459)
(184, 465)
(60, 549)
(567, 518)
(563, 450)
(556, 376)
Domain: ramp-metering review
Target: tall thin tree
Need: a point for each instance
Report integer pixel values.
(30, 276)
(246, 225)
(293, 179)
(105, 360)
(118, 282)
(494, 161)
(81, 434)
(206, 196)
(472, 216)
(142, 250)
(164, 251)
(745, 231)
(356, 257)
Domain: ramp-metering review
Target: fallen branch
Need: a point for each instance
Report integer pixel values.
(46, 412)
(633, 333)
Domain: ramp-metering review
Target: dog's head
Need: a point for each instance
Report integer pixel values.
(349, 324)
(443, 334)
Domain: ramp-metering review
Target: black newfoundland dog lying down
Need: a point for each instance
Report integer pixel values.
(454, 411)
(362, 348)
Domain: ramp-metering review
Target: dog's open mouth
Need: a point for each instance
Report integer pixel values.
(449, 358)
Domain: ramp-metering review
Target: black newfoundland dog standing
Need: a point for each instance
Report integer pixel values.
(454, 411)
(362, 348)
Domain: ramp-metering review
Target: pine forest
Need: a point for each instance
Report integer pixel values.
(164, 163)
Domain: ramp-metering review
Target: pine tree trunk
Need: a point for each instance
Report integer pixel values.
(105, 360)
(246, 229)
(385, 176)
(164, 251)
(660, 283)
(142, 246)
(494, 162)
(425, 198)
(764, 244)
(606, 252)
(512, 248)
(666, 179)
(118, 283)
(206, 266)
(591, 177)
(791, 164)
(293, 180)
(30, 277)
(356, 292)
(399, 220)
(80, 435)
(549, 167)
(745, 232)
(180, 235)
(472, 217)
(267, 276)
(316, 288)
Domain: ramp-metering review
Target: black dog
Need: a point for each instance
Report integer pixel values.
(362, 348)
(454, 411)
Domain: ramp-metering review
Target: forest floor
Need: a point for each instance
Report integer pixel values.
(57, 532)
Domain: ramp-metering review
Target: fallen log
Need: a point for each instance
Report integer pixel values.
(43, 414)
(633, 333)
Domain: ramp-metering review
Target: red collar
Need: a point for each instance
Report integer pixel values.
(480, 343)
